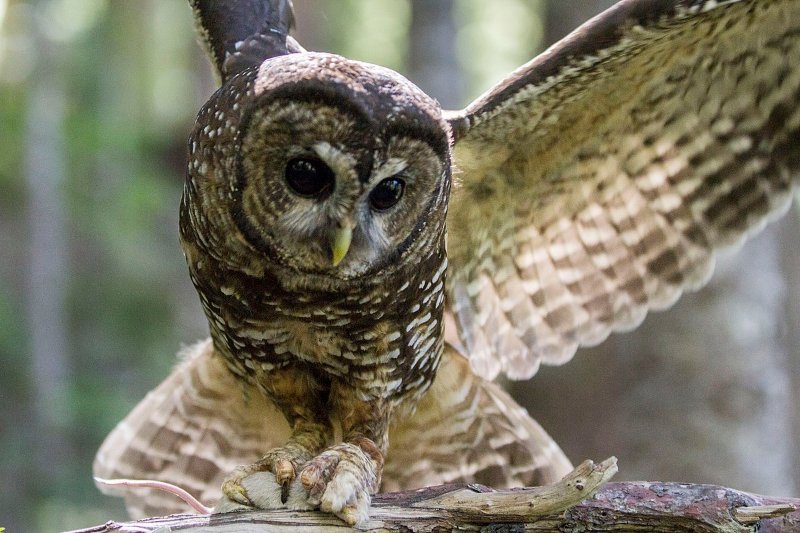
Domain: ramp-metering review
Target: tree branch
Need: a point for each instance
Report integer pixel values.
(566, 505)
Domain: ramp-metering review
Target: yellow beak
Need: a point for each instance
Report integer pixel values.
(340, 243)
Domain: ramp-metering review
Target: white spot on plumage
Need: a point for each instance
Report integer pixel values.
(741, 144)
(439, 271)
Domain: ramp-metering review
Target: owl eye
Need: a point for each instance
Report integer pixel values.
(309, 177)
(387, 193)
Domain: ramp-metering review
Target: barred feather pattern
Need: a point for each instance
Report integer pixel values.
(192, 430)
(597, 182)
(202, 421)
(468, 430)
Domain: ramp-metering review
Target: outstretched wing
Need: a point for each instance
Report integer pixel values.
(240, 34)
(597, 181)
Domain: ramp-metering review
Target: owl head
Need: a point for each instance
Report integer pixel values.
(318, 164)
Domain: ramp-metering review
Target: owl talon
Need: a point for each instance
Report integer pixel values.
(284, 475)
(232, 486)
(281, 462)
(285, 486)
(341, 481)
(353, 514)
(284, 470)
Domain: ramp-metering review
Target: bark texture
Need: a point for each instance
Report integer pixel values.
(632, 506)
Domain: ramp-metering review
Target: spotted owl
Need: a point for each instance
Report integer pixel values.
(368, 262)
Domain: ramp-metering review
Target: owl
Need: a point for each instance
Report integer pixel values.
(369, 263)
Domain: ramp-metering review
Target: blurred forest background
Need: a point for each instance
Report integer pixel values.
(96, 101)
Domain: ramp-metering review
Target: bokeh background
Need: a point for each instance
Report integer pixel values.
(96, 100)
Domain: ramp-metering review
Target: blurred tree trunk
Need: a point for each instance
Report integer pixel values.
(700, 393)
(790, 260)
(311, 31)
(433, 63)
(47, 272)
(563, 17)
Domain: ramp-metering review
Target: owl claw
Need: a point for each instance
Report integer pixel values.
(232, 486)
(284, 474)
(280, 462)
(340, 481)
(285, 486)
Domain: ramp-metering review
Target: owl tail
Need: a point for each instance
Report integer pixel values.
(191, 431)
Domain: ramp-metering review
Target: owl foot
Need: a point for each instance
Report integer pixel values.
(342, 479)
(282, 462)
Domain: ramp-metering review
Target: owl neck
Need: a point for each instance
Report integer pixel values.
(283, 292)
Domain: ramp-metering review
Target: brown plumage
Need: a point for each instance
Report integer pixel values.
(202, 422)
(592, 185)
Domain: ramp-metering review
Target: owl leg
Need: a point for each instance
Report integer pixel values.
(299, 397)
(342, 479)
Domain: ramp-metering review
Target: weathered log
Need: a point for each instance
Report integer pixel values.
(564, 506)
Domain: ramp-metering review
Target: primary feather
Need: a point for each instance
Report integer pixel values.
(597, 181)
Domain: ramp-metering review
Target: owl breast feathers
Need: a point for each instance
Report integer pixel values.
(360, 298)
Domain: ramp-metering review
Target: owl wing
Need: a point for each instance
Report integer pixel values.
(241, 34)
(192, 430)
(468, 430)
(200, 423)
(598, 180)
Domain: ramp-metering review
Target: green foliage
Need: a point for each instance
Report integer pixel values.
(488, 55)
(373, 31)
(127, 77)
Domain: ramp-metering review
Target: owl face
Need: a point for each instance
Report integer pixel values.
(340, 165)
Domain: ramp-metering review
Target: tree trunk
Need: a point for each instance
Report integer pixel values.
(47, 274)
(789, 237)
(563, 17)
(432, 59)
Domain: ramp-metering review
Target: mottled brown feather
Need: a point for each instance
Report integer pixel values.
(192, 430)
(201, 422)
(597, 181)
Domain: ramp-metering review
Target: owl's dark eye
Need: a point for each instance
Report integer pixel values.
(309, 177)
(387, 193)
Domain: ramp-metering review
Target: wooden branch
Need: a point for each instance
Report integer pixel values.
(567, 505)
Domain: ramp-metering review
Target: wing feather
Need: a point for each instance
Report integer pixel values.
(468, 430)
(597, 182)
(201, 422)
(191, 431)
